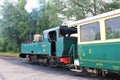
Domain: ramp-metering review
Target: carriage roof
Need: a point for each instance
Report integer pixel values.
(107, 14)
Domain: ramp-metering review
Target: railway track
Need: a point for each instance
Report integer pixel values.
(61, 71)
(9, 57)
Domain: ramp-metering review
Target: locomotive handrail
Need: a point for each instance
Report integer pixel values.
(71, 52)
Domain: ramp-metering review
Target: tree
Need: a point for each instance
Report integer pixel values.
(115, 4)
(14, 24)
(46, 17)
(83, 8)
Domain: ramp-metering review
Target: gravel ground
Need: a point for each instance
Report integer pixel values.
(18, 70)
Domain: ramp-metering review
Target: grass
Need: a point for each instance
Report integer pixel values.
(9, 53)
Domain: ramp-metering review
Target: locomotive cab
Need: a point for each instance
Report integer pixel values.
(52, 39)
(62, 44)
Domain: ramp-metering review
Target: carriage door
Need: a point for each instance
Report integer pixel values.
(52, 40)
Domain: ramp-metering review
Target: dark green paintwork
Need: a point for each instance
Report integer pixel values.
(68, 42)
(100, 55)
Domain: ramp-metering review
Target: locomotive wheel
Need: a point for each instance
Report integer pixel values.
(62, 66)
(27, 59)
(53, 64)
(32, 59)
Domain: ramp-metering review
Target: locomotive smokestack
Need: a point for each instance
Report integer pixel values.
(31, 37)
(34, 15)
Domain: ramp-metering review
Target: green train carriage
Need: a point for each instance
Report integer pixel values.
(57, 47)
(99, 42)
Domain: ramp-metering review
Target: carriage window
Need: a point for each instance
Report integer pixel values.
(90, 32)
(113, 28)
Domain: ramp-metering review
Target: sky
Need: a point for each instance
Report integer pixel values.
(108, 1)
(31, 4)
(1, 1)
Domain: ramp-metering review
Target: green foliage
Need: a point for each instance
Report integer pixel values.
(80, 8)
(83, 8)
(114, 5)
(16, 23)
(9, 53)
(45, 18)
